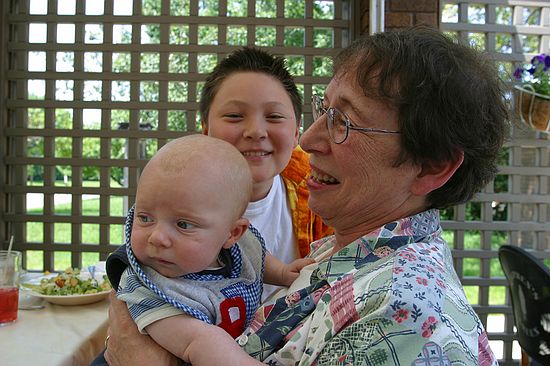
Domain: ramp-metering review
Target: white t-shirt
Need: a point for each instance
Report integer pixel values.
(272, 217)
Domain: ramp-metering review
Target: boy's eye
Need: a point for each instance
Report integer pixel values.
(185, 225)
(232, 115)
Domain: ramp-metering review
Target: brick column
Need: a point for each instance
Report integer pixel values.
(403, 13)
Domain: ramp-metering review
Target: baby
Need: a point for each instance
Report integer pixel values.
(191, 255)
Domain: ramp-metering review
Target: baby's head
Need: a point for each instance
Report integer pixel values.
(189, 204)
(219, 167)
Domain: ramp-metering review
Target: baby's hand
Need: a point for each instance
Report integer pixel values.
(292, 270)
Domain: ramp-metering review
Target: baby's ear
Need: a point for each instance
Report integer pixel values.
(239, 227)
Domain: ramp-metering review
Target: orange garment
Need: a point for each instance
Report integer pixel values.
(308, 227)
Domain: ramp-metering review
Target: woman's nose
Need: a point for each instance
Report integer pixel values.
(255, 128)
(315, 136)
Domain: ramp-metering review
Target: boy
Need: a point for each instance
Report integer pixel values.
(191, 256)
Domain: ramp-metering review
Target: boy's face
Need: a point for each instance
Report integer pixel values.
(253, 112)
(180, 222)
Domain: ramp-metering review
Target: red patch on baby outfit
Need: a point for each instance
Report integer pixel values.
(233, 314)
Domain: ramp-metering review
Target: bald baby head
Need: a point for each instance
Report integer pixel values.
(205, 160)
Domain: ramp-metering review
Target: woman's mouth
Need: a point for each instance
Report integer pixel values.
(323, 178)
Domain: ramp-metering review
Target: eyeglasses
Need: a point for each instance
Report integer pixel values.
(338, 124)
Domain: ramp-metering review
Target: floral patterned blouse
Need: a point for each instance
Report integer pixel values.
(391, 297)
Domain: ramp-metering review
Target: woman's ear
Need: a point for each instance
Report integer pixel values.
(434, 175)
(239, 228)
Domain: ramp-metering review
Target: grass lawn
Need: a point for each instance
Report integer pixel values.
(472, 267)
(62, 232)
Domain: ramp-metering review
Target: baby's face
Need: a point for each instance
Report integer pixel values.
(180, 222)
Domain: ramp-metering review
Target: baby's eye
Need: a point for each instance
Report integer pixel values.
(144, 219)
(185, 225)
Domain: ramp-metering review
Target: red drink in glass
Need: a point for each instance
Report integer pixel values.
(9, 299)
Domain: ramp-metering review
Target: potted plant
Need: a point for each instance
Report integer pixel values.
(533, 96)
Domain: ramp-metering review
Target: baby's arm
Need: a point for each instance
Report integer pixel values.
(282, 274)
(197, 342)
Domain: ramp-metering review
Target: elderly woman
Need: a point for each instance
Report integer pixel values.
(411, 122)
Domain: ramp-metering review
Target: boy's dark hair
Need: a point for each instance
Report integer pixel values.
(449, 99)
(249, 59)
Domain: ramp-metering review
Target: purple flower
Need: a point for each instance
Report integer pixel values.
(537, 59)
(536, 73)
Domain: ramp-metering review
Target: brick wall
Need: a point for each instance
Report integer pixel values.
(404, 13)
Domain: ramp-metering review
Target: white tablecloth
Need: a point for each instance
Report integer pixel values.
(56, 335)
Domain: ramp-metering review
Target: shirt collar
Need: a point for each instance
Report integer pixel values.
(375, 245)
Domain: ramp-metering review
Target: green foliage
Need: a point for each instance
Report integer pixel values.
(236, 35)
(151, 8)
(179, 34)
(122, 61)
(208, 34)
(295, 37)
(477, 40)
(150, 34)
(237, 8)
(323, 10)
(265, 36)
(322, 66)
(295, 65)
(266, 8)
(295, 9)
(150, 62)
(179, 7)
(149, 91)
(503, 15)
(322, 38)
(208, 8)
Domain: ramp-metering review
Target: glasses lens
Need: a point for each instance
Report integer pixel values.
(337, 126)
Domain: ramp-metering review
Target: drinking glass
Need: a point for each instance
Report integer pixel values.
(10, 270)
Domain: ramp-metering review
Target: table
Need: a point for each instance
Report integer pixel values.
(56, 335)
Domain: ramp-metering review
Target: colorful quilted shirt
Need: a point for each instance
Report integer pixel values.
(391, 297)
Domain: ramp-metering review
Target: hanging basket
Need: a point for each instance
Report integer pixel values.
(533, 108)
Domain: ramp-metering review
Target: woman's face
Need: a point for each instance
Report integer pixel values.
(253, 112)
(355, 186)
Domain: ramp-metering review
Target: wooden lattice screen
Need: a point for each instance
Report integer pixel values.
(515, 209)
(95, 87)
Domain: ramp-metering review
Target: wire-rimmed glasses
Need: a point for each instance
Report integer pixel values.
(338, 124)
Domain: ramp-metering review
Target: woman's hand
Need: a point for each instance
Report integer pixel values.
(126, 345)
